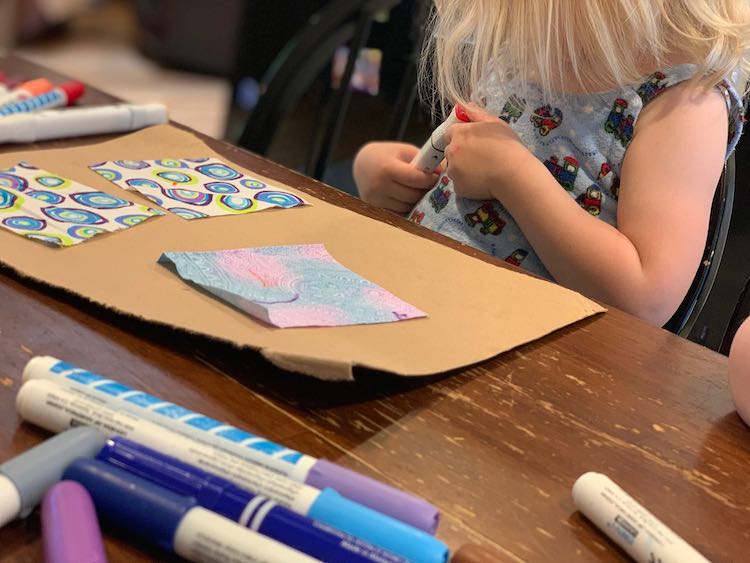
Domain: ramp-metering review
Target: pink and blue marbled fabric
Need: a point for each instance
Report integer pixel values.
(290, 286)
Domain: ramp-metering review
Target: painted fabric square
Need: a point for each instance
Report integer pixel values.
(290, 286)
(196, 187)
(44, 206)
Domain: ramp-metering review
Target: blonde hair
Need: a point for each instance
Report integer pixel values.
(556, 44)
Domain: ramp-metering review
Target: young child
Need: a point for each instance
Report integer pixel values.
(603, 129)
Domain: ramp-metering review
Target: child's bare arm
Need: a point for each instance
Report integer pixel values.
(671, 168)
(678, 155)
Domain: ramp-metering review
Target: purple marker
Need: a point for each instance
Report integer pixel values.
(69, 526)
(318, 473)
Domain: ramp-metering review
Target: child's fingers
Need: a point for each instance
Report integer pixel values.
(398, 206)
(451, 132)
(406, 174)
(406, 152)
(477, 114)
(405, 194)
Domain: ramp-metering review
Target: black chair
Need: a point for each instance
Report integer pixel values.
(300, 63)
(683, 321)
(407, 95)
(741, 312)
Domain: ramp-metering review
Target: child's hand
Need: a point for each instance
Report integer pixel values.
(483, 156)
(385, 177)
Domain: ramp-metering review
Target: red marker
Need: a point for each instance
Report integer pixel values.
(431, 154)
(64, 95)
(26, 90)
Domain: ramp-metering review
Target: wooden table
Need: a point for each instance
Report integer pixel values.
(496, 447)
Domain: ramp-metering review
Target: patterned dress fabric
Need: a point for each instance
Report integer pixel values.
(580, 138)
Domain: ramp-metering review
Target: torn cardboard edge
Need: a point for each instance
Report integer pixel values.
(340, 371)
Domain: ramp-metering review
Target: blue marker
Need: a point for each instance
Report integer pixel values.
(253, 511)
(173, 522)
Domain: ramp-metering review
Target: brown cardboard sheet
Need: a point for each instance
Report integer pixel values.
(476, 310)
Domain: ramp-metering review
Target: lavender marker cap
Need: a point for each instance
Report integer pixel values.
(70, 528)
(384, 498)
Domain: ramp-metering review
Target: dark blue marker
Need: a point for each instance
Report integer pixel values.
(253, 511)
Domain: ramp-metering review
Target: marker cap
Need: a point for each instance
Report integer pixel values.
(384, 498)
(132, 503)
(73, 91)
(211, 492)
(13, 81)
(148, 114)
(379, 529)
(69, 525)
(37, 469)
(462, 114)
(36, 87)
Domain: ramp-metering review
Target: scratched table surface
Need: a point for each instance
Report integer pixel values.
(496, 447)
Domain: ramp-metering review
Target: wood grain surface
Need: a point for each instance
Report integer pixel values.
(496, 447)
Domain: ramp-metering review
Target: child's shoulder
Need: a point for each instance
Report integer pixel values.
(686, 101)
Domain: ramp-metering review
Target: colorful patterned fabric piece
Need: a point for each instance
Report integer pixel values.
(196, 188)
(43, 206)
(290, 286)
